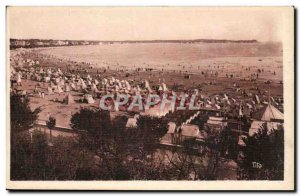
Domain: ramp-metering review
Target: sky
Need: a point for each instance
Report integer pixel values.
(144, 23)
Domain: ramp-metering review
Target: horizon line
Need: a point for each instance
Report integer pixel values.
(128, 40)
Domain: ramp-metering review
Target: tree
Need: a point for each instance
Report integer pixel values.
(29, 160)
(51, 122)
(95, 122)
(263, 155)
(22, 117)
(94, 127)
(150, 130)
(229, 143)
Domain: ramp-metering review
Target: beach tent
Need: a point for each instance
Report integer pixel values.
(88, 99)
(257, 99)
(113, 79)
(73, 86)
(89, 77)
(24, 92)
(94, 87)
(147, 85)
(196, 91)
(268, 113)
(241, 140)
(49, 71)
(52, 84)
(249, 106)
(104, 81)
(12, 70)
(62, 82)
(241, 111)
(57, 80)
(46, 79)
(272, 99)
(228, 102)
(67, 88)
(164, 87)
(59, 71)
(149, 89)
(128, 87)
(116, 106)
(69, 99)
(79, 83)
(119, 84)
(50, 91)
(18, 78)
(117, 88)
(28, 76)
(83, 85)
(132, 122)
(58, 90)
(226, 97)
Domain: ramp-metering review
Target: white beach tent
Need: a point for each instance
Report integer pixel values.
(18, 78)
(58, 90)
(83, 85)
(89, 77)
(89, 99)
(57, 80)
(73, 86)
(59, 71)
(164, 87)
(69, 99)
(257, 99)
(226, 97)
(94, 87)
(268, 113)
(128, 87)
(67, 88)
(50, 91)
(147, 85)
(41, 71)
(47, 79)
(49, 71)
(12, 70)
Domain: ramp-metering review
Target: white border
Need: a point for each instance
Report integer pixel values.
(111, 2)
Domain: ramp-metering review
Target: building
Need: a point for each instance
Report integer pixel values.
(216, 123)
(185, 133)
(132, 122)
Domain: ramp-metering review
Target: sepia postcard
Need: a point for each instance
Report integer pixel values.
(150, 98)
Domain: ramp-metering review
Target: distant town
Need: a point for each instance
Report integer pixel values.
(33, 43)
